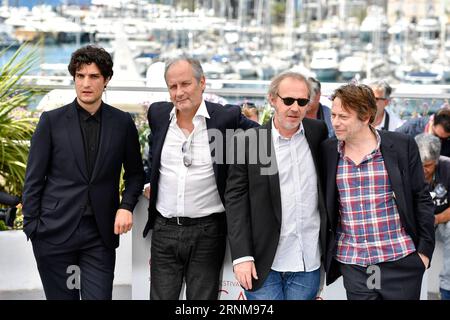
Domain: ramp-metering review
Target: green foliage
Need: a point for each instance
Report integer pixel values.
(266, 114)
(18, 222)
(16, 124)
(278, 12)
(143, 131)
(3, 226)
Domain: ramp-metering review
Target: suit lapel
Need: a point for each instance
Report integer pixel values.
(392, 166)
(75, 138)
(211, 123)
(106, 131)
(312, 142)
(158, 141)
(331, 170)
(274, 179)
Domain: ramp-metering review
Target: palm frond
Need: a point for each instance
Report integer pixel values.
(15, 128)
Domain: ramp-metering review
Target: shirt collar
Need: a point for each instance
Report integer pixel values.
(277, 136)
(202, 111)
(382, 124)
(341, 144)
(85, 115)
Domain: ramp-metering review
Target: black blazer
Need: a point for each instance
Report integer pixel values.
(221, 119)
(253, 200)
(56, 182)
(404, 167)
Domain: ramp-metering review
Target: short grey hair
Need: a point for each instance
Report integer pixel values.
(195, 64)
(382, 85)
(315, 85)
(429, 147)
(275, 84)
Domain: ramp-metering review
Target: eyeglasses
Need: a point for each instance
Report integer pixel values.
(289, 101)
(381, 99)
(186, 149)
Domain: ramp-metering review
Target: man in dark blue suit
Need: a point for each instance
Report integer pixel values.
(71, 204)
(188, 172)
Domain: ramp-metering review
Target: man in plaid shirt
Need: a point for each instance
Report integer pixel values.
(381, 223)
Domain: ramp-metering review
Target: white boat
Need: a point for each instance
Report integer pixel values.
(53, 74)
(324, 64)
(245, 69)
(351, 67)
(423, 77)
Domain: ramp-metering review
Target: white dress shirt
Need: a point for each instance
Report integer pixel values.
(298, 248)
(394, 121)
(187, 191)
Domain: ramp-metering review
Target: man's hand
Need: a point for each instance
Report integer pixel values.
(244, 272)
(425, 260)
(124, 221)
(147, 192)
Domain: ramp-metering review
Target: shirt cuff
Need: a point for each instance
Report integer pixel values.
(243, 259)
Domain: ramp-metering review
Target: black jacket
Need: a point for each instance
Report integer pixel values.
(56, 182)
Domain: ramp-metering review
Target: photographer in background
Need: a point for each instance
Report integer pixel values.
(437, 174)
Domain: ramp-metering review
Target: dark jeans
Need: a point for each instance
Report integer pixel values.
(83, 251)
(193, 253)
(445, 294)
(398, 280)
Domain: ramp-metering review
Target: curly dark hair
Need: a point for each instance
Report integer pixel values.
(91, 54)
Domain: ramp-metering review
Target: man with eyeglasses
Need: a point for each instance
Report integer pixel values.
(381, 221)
(437, 124)
(188, 172)
(384, 119)
(276, 218)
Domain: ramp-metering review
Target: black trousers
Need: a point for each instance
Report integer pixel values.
(81, 265)
(398, 280)
(192, 252)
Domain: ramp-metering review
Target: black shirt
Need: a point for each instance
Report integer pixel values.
(90, 128)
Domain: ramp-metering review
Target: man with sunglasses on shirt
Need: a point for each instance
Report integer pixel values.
(187, 183)
(276, 218)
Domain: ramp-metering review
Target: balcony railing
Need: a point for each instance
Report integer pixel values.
(408, 100)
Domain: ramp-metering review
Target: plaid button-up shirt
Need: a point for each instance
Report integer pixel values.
(369, 229)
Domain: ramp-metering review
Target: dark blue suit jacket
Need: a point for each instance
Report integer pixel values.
(57, 185)
(404, 167)
(221, 119)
